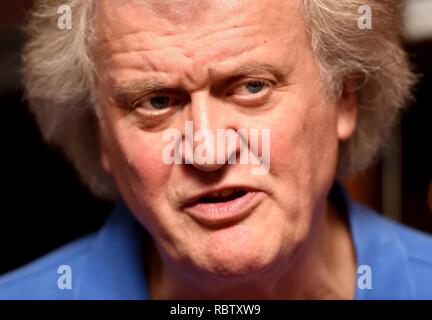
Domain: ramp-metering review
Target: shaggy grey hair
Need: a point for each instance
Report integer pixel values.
(59, 78)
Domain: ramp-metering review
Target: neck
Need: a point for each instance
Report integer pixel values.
(323, 268)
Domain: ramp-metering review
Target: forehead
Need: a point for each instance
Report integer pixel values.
(174, 17)
(180, 35)
(178, 11)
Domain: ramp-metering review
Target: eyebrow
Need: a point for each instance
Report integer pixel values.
(257, 68)
(126, 92)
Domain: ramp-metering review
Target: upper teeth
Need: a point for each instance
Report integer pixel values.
(222, 193)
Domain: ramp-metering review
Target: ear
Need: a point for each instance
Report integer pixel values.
(347, 110)
(106, 165)
(104, 159)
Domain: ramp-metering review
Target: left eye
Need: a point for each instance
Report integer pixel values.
(255, 86)
(250, 88)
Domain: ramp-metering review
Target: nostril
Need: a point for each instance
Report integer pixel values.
(208, 150)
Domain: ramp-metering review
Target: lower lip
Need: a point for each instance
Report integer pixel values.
(213, 214)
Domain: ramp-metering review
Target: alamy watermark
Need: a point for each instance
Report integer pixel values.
(365, 20)
(364, 281)
(203, 147)
(64, 22)
(64, 282)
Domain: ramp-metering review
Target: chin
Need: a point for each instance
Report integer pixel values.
(236, 252)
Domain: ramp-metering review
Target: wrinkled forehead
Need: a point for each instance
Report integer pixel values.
(193, 11)
(176, 10)
(141, 34)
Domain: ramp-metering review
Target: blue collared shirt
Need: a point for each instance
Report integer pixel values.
(109, 263)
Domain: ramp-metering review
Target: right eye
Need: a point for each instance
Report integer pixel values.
(157, 102)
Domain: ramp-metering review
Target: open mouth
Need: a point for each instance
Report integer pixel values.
(222, 206)
(222, 196)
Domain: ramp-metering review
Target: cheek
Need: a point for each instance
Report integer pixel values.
(137, 162)
(304, 145)
(303, 162)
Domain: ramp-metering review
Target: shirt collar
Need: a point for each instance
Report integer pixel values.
(115, 268)
(377, 245)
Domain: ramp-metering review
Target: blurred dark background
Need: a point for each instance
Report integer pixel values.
(44, 205)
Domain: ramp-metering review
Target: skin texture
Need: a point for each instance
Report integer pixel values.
(293, 244)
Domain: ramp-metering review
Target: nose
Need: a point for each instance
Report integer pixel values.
(211, 141)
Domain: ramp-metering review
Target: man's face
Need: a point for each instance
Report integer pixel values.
(223, 65)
